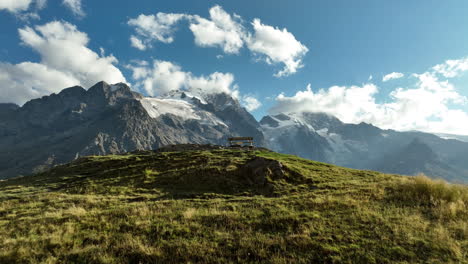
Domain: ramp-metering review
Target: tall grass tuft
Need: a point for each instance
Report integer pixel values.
(445, 200)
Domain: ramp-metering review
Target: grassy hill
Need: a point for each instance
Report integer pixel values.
(218, 205)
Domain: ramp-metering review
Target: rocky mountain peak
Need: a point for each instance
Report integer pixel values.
(111, 119)
(282, 117)
(74, 91)
(221, 101)
(269, 121)
(321, 120)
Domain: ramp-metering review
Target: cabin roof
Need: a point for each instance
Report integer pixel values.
(240, 138)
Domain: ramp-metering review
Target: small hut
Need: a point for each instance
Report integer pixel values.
(241, 142)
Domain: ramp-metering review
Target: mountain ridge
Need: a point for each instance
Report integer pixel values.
(105, 119)
(325, 138)
(112, 119)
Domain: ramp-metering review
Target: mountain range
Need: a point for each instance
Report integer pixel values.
(111, 119)
(325, 138)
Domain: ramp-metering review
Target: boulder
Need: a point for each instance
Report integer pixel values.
(259, 170)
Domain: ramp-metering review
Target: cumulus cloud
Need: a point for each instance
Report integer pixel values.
(221, 30)
(15, 6)
(161, 77)
(151, 28)
(27, 80)
(137, 43)
(452, 68)
(423, 105)
(278, 46)
(164, 76)
(65, 61)
(216, 82)
(23, 9)
(225, 31)
(75, 6)
(250, 103)
(350, 104)
(392, 76)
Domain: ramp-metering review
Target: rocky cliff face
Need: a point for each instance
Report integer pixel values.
(111, 119)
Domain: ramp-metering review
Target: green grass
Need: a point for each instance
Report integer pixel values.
(199, 207)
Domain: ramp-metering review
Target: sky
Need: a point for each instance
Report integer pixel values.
(396, 64)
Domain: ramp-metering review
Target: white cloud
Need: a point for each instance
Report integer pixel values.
(162, 77)
(222, 31)
(65, 60)
(225, 31)
(150, 28)
(28, 80)
(40, 4)
(350, 104)
(250, 103)
(75, 6)
(137, 43)
(278, 46)
(422, 106)
(392, 76)
(216, 82)
(27, 16)
(23, 9)
(452, 68)
(15, 6)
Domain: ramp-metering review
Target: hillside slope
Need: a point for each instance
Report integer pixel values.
(215, 205)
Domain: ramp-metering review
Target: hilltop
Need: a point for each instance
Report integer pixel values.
(212, 204)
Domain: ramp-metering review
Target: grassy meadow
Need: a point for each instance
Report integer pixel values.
(201, 207)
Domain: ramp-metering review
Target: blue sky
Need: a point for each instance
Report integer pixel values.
(346, 43)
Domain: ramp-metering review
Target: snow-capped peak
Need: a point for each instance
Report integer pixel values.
(284, 120)
(187, 96)
(182, 108)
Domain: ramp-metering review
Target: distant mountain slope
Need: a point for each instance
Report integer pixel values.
(110, 119)
(323, 137)
(415, 158)
(451, 136)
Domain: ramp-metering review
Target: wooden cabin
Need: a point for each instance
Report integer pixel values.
(241, 142)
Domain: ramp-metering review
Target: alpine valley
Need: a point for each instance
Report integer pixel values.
(112, 119)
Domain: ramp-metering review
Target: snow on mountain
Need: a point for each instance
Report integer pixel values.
(112, 119)
(185, 95)
(320, 128)
(280, 126)
(452, 137)
(156, 107)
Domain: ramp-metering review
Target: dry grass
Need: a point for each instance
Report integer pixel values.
(169, 209)
(447, 201)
